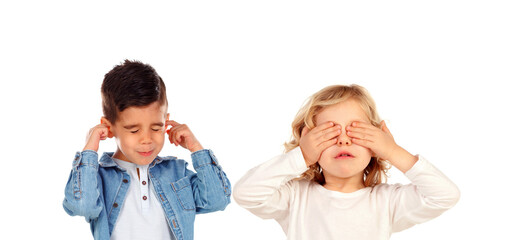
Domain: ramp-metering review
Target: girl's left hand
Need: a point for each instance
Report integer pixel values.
(379, 140)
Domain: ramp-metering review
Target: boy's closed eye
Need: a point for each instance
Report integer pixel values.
(153, 129)
(132, 128)
(156, 127)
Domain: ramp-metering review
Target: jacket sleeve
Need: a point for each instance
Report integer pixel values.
(82, 192)
(267, 189)
(210, 185)
(429, 195)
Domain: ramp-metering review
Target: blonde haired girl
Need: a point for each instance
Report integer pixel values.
(328, 184)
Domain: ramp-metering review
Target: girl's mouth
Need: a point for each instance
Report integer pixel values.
(344, 155)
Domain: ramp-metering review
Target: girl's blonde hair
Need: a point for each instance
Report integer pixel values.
(376, 170)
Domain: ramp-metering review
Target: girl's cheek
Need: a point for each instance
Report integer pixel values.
(327, 151)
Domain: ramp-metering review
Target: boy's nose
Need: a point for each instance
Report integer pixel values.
(146, 138)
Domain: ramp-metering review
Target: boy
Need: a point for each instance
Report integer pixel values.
(133, 193)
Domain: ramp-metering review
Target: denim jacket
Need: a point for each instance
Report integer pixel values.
(96, 190)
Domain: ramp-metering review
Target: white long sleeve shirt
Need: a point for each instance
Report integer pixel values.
(306, 210)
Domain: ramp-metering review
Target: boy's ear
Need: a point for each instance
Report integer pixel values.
(166, 120)
(108, 125)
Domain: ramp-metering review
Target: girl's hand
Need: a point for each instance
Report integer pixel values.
(382, 144)
(379, 140)
(313, 142)
(181, 135)
(96, 134)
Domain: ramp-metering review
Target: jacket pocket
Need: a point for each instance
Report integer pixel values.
(184, 193)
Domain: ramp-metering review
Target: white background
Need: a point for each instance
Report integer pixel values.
(237, 72)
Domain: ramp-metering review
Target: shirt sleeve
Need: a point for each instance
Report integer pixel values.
(210, 185)
(266, 190)
(429, 195)
(81, 192)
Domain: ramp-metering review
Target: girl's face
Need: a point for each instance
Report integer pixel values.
(345, 160)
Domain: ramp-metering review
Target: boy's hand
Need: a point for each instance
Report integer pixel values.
(313, 142)
(382, 144)
(96, 134)
(181, 135)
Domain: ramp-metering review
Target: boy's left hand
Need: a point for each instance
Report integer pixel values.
(181, 135)
(379, 140)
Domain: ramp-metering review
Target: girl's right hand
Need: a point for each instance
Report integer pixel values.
(313, 142)
(96, 134)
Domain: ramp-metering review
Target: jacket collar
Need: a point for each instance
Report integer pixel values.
(107, 160)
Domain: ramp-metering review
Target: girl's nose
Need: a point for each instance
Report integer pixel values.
(343, 139)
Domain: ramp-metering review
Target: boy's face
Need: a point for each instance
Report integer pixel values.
(140, 133)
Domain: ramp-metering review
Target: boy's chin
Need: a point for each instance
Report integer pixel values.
(143, 159)
(142, 162)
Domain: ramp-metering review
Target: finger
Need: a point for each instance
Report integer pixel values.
(181, 132)
(322, 126)
(362, 142)
(168, 125)
(178, 136)
(364, 125)
(305, 131)
(173, 134)
(103, 138)
(330, 133)
(172, 123)
(169, 139)
(359, 135)
(327, 144)
(385, 128)
(100, 129)
(108, 133)
(104, 132)
(319, 134)
(361, 127)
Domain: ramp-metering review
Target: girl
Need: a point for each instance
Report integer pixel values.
(328, 184)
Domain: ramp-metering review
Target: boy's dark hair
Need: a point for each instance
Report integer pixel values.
(131, 84)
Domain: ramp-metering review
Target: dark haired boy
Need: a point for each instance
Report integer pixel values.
(133, 193)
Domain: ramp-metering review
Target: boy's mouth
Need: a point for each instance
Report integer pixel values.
(145, 154)
(344, 155)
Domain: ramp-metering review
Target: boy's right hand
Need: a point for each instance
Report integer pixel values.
(313, 142)
(96, 134)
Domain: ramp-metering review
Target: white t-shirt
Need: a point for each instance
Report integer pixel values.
(307, 210)
(141, 216)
